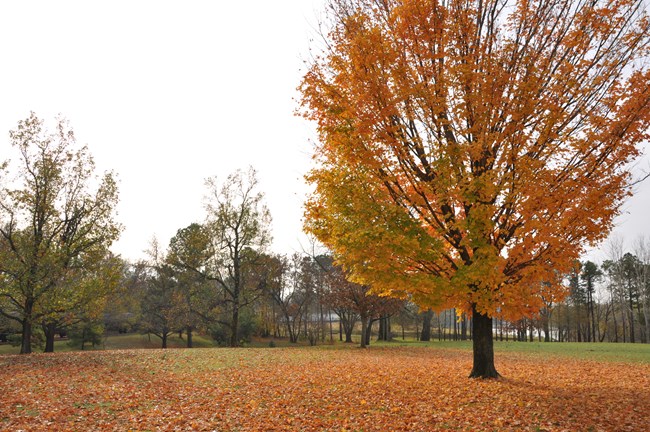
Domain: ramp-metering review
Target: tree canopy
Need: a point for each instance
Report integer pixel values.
(469, 150)
(57, 221)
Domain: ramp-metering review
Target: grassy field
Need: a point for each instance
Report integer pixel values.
(625, 352)
(588, 351)
(121, 341)
(404, 386)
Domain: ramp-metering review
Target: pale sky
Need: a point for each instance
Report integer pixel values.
(168, 93)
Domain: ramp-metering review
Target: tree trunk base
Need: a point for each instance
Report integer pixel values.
(485, 373)
(482, 346)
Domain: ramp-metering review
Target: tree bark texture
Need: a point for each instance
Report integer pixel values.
(425, 336)
(26, 340)
(482, 346)
(364, 331)
(26, 344)
(234, 326)
(50, 331)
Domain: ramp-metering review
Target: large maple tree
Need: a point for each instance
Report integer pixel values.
(469, 150)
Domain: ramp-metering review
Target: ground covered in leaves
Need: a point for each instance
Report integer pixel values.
(313, 389)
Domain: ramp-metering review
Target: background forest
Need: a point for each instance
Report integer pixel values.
(219, 279)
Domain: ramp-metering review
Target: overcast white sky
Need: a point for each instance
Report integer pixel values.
(168, 93)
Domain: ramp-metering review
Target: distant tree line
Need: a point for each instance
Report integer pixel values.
(609, 302)
(294, 297)
(58, 276)
(218, 278)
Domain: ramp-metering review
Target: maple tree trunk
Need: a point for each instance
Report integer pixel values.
(164, 339)
(385, 333)
(364, 331)
(380, 333)
(482, 346)
(547, 330)
(234, 327)
(369, 332)
(425, 336)
(348, 335)
(49, 330)
(26, 341)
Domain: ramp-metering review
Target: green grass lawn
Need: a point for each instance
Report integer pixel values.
(122, 341)
(143, 341)
(624, 352)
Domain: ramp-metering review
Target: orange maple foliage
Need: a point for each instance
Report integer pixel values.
(470, 150)
(322, 389)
